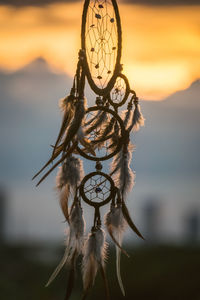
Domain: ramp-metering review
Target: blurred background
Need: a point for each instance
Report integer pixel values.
(39, 43)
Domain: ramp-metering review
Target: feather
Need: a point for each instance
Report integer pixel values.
(54, 156)
(77, 121)
(91, 120)
(93, 257)
(126, 117)
(115, 222)
(70, 150)
(71, 173)
(120, 166)
(64, 196)
(116, 225)
(137, 119)
(129, 220)
(118, 267)
(115, 137)
(69, 176)
(106, 133)
(101, 120)
(85, 142)
(67, 106)
(70, 283)
(75, 241)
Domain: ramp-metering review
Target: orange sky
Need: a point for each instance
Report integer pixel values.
(161, 45)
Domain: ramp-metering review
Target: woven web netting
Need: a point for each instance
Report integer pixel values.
(101, 41)
(118, 92)
(97, 188)
(99, 135)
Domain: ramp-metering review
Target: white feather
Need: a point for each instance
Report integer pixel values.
(75, 241)
(116, 225)
(71, 172)
(126, 117)
(120, 167)
(137, 119)
(94, 256)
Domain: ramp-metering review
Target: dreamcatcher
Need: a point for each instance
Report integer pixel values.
(97, 133)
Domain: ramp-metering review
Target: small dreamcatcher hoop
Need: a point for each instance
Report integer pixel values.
(102, 142)
(97, 186)
(101, 41)
(120, 91)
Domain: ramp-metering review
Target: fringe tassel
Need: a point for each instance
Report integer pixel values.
(94, 257)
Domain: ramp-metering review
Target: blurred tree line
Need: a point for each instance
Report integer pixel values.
(152, 272)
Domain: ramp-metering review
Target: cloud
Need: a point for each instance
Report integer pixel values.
(145, 2)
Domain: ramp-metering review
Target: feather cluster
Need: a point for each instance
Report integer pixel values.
(79, 115)
(68, 178)
(120, 168)
(100, 119)
(94, 257)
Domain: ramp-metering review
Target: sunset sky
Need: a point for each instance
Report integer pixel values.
(161, 44)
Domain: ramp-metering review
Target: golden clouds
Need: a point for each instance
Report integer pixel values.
(161, 45)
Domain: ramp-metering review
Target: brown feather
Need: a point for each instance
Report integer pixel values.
(129, 220)
(105, 280)
(76, 123)
(58, 162)
(115, 241)
(64, 196)
(70, 283)
(53, 157)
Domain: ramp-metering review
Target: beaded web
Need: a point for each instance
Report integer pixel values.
(118, 92)
(101, 41)
(97, 188)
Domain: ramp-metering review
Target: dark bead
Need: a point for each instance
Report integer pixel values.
(98, 190)
(98, 166)
(97, 16)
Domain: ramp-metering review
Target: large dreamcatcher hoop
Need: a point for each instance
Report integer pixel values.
(97, 133)
(101, 40)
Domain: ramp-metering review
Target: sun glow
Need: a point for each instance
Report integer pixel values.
(161, 45)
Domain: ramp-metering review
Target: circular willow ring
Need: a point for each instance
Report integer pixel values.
(101, 143)
(97, 189)
(101, 40)
(120, 91)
